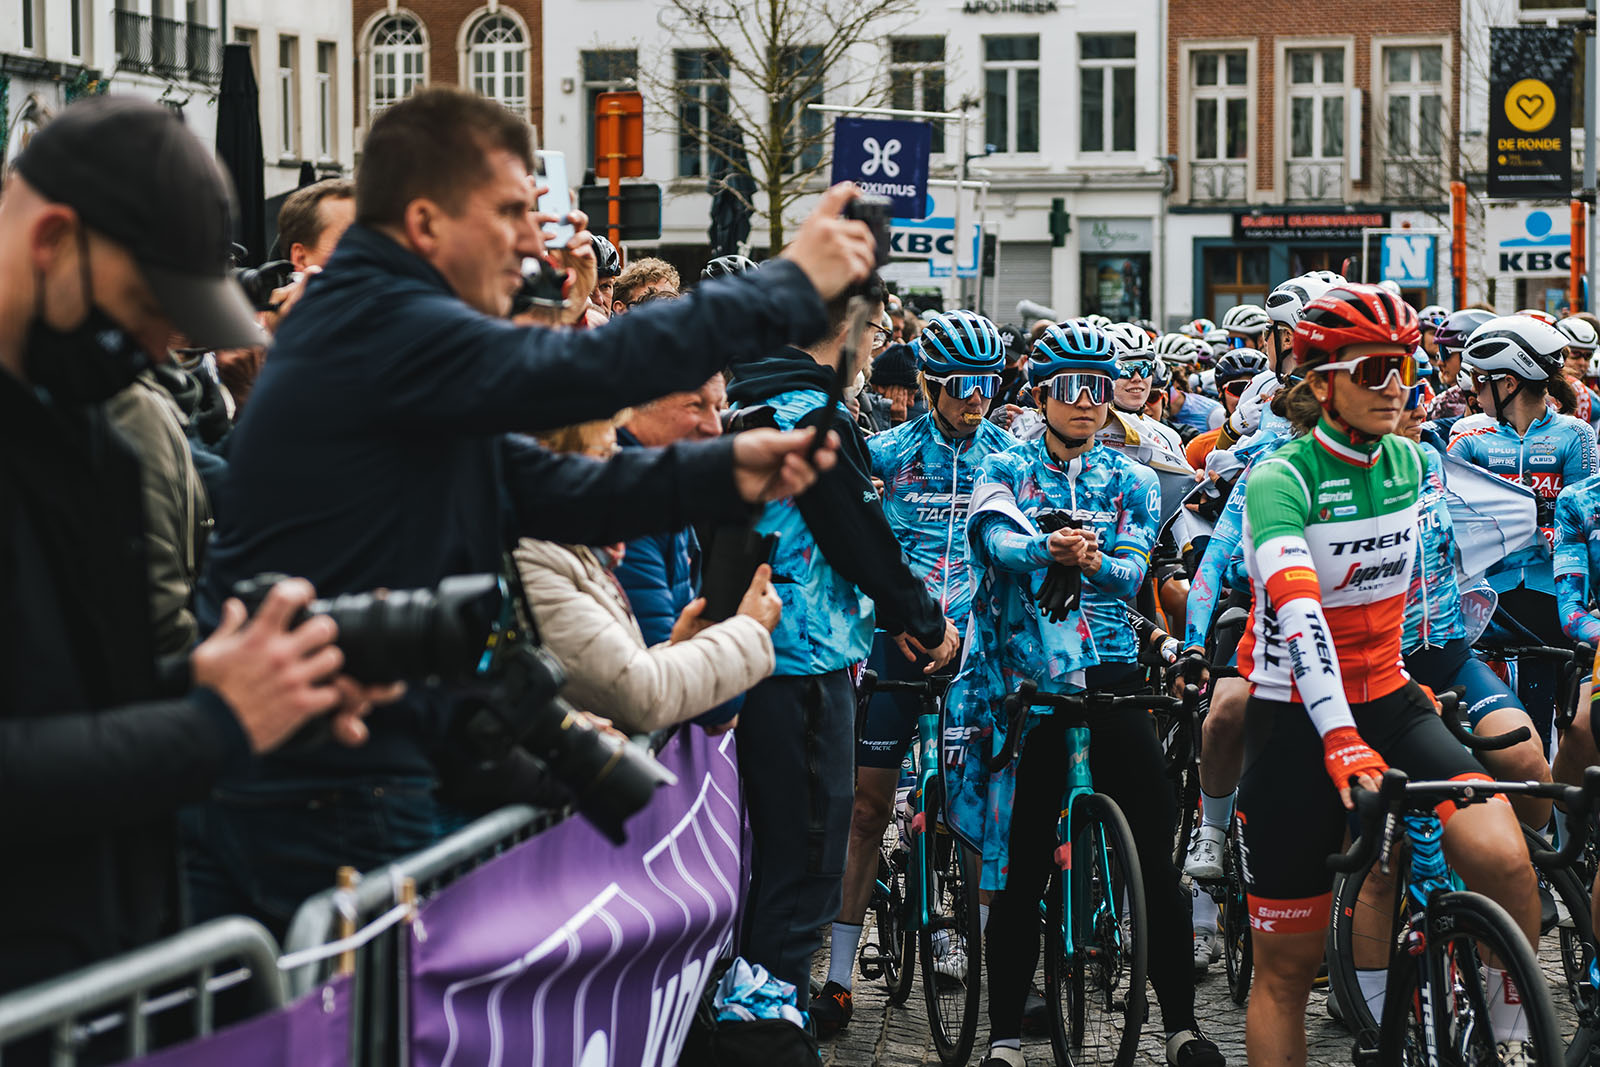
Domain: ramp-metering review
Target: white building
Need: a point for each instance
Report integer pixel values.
(1070, 98)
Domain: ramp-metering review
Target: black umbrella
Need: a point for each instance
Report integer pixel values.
(239, 147)
(733, 191)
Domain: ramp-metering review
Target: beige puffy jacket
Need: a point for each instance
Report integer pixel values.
(584, 619)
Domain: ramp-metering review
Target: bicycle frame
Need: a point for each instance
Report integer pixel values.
(1079, 785)
(1428, 876)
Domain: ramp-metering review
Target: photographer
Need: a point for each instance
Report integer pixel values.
(379, 450)
(114, 234)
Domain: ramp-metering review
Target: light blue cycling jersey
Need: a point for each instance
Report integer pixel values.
(927, 483)
(1199, 413)
(1557, 451)
(1007, 638)
(1433, 603)
(1577, 558)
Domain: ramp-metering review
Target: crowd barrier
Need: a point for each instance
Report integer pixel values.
(523, 938)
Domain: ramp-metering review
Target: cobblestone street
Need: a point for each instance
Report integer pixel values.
(881, 1036)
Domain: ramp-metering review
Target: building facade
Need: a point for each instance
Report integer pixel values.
(1293, 130)
(1068, 108)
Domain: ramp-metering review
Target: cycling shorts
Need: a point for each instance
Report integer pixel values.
(1290, 817)
(1446, 666)
(891, 722)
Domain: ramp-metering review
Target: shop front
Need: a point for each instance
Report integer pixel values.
(1114, 265)
(1269, 245)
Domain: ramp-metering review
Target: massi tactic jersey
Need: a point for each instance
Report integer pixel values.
(927, 484)
(1433, 602)
(1577, 558)
(1557, 451)
(1330, 535)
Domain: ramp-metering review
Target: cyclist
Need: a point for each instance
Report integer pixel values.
(1450, 338)
(1582, 340)
(1011, 817)
(1515, 366)
(1234, 372)
(1137, 365)
(1247, 326)
(1430, 318)
(1576, 562)
(1329, 521)
(608, 264)
(926, 466)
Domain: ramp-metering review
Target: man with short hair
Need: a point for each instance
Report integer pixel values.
(642, 281)
(380, 449)
(313, 219)
(114, 234)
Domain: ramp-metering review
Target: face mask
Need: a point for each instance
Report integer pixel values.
(87, 364)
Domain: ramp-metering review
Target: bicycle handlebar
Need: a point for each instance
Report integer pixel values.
(1449, 711)
(931, 686)
(1028, 696)
(1397, 794)
(1550, 652)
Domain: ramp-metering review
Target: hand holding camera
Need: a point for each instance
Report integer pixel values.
(834, 252)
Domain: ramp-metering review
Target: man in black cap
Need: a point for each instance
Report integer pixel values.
(114, 231)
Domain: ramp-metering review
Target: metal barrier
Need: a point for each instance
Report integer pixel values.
(121, 993)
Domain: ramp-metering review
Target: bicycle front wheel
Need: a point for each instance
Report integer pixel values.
(952, 952)
(1096, 991)
(1437, 1006)
(897, 948)
(1236, 924)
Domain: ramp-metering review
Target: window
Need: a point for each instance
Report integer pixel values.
(327, 103)
(1106, 93)
(1234, 276)
(1316, 104)
(288, 95)
(398, 51)
(605, 72)
(29, 15)
(75, 18)
(1414, 99)
(916, 78)
(1219, 85)
(802, 75)
(1011, 93)
(499, 62)
(702, 90)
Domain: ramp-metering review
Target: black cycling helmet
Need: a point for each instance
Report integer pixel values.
(607, 262)
(1239, 363)
(725, 266)
(1453, 332)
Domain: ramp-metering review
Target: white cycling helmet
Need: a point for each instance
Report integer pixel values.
(1581, 336)
(1287, 302)
(1131, 340)
(1516, 344)
(1391, 287)
(1431, 316)
(1247, 319)
(1535, 313)
(1099, 322)
(1175, 348)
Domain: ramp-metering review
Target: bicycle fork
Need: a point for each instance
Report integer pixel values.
(1429, 874)
(927, 759)
(1079, 784)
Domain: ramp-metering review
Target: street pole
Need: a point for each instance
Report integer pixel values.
(961, 185)
(1591, 64)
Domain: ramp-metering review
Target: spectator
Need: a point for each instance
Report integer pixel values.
(313, 219)
(113, 233)
(836, 557)
(608, 264)
(893, 387)
(584, 618)
(642, 281)
(379, 450)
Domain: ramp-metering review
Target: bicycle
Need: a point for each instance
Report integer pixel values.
(1436, 1004)
(1094, 915)
(936, 911)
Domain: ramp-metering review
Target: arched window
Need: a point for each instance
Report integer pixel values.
(499, 61)
(399, 49)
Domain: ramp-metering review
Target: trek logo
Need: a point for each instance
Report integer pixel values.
(1360, 575)
(1372, 544)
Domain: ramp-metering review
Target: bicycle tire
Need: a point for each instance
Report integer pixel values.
(897, 948)
(1087, 1026)
(1577, 940)
(1343, 937)
(1458, 922)
(1236, 950)
(951, 887)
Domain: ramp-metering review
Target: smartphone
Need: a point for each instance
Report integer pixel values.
(733, 553)
(551, 170)
(874, 211)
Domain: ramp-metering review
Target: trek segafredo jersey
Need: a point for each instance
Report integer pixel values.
(927, 484)
(1330, 535)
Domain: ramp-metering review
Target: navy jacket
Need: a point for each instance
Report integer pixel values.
(379, 447)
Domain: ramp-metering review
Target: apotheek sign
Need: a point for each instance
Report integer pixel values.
(1008, 7)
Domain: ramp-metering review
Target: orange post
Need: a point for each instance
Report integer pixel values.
(1580, 245)
(1458, 242)
(614, 179)
(618, 151)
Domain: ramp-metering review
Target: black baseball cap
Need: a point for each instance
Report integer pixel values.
(136, 174)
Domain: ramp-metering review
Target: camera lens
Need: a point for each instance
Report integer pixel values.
(388, 635)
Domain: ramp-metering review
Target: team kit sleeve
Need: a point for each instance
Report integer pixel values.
(1001, 543)
(1571, 564)
(1124, 561)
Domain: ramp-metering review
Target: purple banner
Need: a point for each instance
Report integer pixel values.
(569, 951)
(314, 1031)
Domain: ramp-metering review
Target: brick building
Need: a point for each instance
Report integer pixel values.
(1294, 130)
(491, 46)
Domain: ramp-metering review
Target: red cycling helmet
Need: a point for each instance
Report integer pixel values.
(1353, 314)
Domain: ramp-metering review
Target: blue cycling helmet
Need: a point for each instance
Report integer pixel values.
(1074, 345)
(960, 342)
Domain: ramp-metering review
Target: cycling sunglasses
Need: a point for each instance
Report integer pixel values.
(1144, 368)
(1236, 387)
(962, 386)
(1414, 397)
(1373, 372)
(1238, 342)
(1067, 387)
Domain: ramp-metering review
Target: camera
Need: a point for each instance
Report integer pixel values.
(543, 286)
(259, 283)
(874, 211)
(465, 629)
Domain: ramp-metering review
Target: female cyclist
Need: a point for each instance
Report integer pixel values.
(1516, 366)
(1011, 817)
(1330, 521)
(927, 466)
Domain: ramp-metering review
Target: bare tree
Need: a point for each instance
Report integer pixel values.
(735, 79)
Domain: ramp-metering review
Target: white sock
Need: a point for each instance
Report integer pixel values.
(842, 953)
(1506, 1017)
(1215, 811)
(983, 918)
(1372, 985)
(1204, 910)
